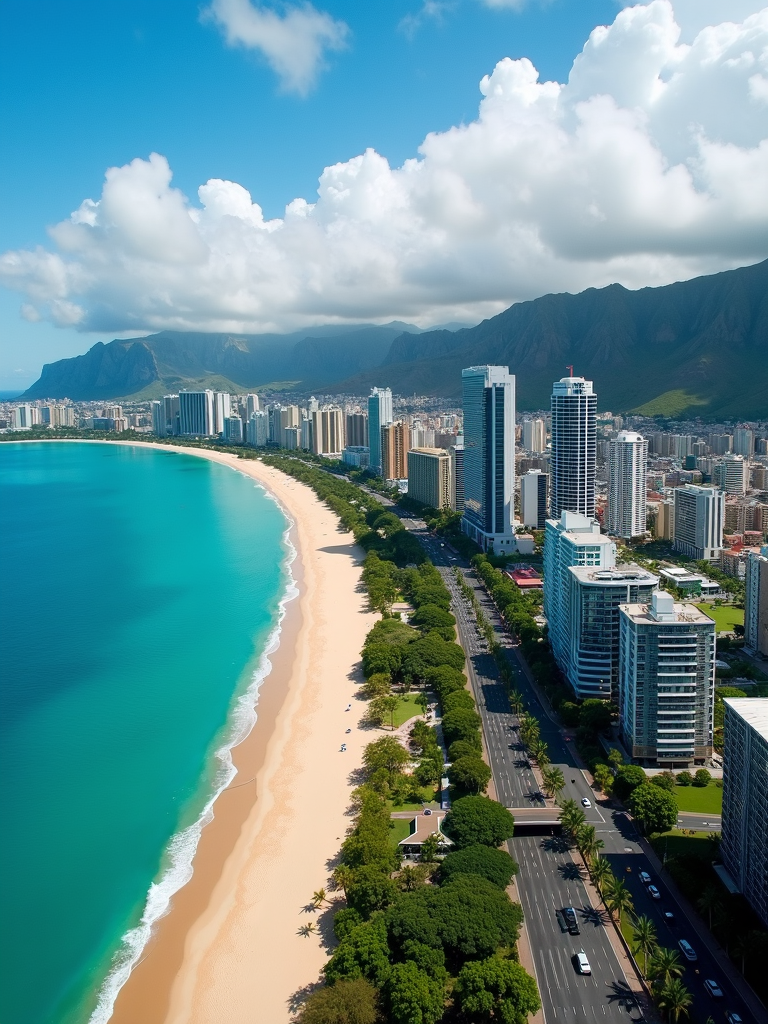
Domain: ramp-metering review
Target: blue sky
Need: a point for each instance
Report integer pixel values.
(87, 86)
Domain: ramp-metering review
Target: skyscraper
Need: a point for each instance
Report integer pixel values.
(534, 492)
(196, 415)
(756, 603)
(666, 681)
(251, 405)
(627, 466)
(328, 431)
(457, 474)
(574, 447)
(221, 411)
(745, 810)
(699, 515)
(732, 474)
(395, 444)
(489, 456)
(357, 429)
(429, 476)
(379, 415)
(257, 428)
(744, 442)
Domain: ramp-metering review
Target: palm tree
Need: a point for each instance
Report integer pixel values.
(319, 897)
(602, 873)
(665, 966)
(539, 752)
(343, 876)
(645, 939)
(675, 999)
(709, 902)
(553, 780)
(516, 702)
(571, 817)
(591, 848)
(618, 899)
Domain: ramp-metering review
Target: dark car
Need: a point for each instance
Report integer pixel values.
(669, 917)
(571, 920)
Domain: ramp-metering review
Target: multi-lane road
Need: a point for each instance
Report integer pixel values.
(549, 879)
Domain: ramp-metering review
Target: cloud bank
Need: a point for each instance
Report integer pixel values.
(649, 165)
(293, 44)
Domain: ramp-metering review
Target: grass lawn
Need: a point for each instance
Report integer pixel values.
(675, 844)
(704, 799)
(407, 708)
(726, 616)
(429, 798)
(400, 830)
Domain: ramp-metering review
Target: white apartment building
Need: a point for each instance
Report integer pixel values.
(732, 474)
(744, 848)
(744, 442)
(574, 447)
(534, 439)
(593, 625)
(666, 682)
(534, 498)
(573, 539)
(489, 456)
(328, 431)
(699, 518)
(627, 466)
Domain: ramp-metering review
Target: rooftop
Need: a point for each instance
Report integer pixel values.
(621, 575)
(683, 613)
(754, 711)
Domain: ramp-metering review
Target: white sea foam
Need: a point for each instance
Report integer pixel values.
(181, 850)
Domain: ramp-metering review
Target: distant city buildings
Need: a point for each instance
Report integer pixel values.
(756, 603)
(744, 846)
(429, 477)
(628, 465)
(534, 436)
(732, 474)
(257, 428)
(489, 456)
(699, 515)
(356, 430)
(534, 498)
(196, 415)
(666, 682)
(379, 415)
(328, 431)
(395, 445)
(356, 455)
(574, 447)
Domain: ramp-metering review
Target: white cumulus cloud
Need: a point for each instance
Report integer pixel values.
(649, 165)
(293, 43)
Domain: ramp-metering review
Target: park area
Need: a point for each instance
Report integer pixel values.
(726, 616)
(700, 799)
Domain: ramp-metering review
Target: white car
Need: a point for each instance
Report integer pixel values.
(582, 963)
(585, 802)
(687, 950)
(653, 892)
(645, 878)
(713, 988)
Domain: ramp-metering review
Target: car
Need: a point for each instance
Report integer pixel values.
(571, 920)
(734, 1018)
(653, 892)
(582, 964)
(687, 950)
(585, 802)
(427, 810)
(645, 878)
(669, 917)
(713, 988)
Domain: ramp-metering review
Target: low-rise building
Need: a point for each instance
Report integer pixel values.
(691, 583)
(356, 455)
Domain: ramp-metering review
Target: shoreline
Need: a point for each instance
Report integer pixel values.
(230, 944)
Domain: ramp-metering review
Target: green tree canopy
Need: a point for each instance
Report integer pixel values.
(371, 889)
(444, 680)
(458, 699)
(433, 616)
(430, 652)
(628, 777)
(666, 780)
(387, 753)
(346, 1002)
(478, 819)
(595, 715)
(460, 724)
(654, 808)
(470, 747)
(414, 996)
(496, 990)
(495, 865)
(468, 916)
(470, 773)
(702, 778)
(364, 953)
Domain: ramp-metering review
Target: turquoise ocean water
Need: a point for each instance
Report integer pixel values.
(139, 592)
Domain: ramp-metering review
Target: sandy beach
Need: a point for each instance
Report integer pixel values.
(231, 949)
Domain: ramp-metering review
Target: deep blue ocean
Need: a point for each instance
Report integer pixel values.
(139, 591)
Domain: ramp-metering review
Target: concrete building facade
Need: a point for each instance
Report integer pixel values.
(534, 498)
(699, 518)
(627, 466)
(429, 476)
(744, 848)
(666, 682)
(328, 432)
(756, 603)
(395, 445)
(534, 436)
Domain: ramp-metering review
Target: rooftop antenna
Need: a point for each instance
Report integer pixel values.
(570, 368)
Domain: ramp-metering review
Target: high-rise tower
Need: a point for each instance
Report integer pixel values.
(489, 456)
(627, 462)
(574, 447)
(379, 415)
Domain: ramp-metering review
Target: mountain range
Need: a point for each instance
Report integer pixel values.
(699, 346)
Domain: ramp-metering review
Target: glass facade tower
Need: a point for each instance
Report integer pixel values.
(379, 415)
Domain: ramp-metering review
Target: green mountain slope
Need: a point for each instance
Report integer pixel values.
(706, 340)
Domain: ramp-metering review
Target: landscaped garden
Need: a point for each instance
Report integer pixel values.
(700, 799)
(726, 616)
